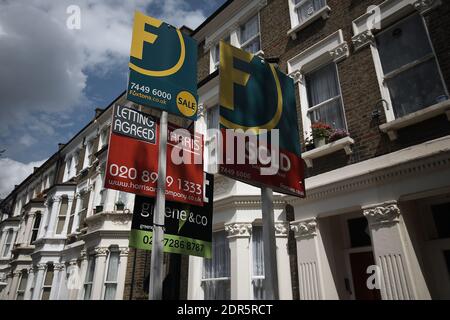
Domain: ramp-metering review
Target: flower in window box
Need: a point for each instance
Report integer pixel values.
(337, 134)
(320, 132)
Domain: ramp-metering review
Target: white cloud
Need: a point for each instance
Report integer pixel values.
(27, 140)
(13, 172)
(44, 64)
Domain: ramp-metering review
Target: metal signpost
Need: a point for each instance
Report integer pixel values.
(156, 264)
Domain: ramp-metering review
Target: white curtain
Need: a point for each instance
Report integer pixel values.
(257, 263)
(323, 85)
(217, 267)
(249, 29)
(308, 8)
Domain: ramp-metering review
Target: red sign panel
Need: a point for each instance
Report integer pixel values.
(288, 175)
(132, 164)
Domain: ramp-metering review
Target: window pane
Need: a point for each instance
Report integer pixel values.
(49, 276)
(113, 266)
(87, 291)
(308, 8)
(37, 221)
(441, 217)
(330, 113)
(249, 29)
(403, 43)
(217, 290)
(416, 88)
(359, 232)
(322, 85)
(110, 291)
(253, 47)
(23, 281)
(219, 265)
(258, 251)
(258, 289)
(46, 294)
(90, 270)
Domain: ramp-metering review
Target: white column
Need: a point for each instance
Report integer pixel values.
(39, 281)
(53, 212)
(394, 255)
(283, 264)
(195, 290)
(30, 280)
(122, 272)
(71, 286)
(14, 284)
(99, 272)
(239, 240)
(314, 272)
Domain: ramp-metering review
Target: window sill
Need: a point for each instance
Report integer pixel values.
(392, 127)
(323, 13)
(329, 148)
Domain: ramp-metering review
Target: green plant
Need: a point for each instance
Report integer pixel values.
(320, 130)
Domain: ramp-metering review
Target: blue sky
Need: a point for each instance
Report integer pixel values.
(52, 78)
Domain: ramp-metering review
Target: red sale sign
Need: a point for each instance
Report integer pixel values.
(132, 164)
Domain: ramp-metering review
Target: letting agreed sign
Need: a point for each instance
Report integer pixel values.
(132, 164)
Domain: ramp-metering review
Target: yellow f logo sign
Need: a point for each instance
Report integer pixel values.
(229, 75)
(137, 45)
(140, 35)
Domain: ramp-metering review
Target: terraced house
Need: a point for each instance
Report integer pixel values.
(378, 191)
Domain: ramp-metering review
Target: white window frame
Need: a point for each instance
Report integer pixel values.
(44, 286)
(7, 253)
(205, 280)
(22, 292)
(382, 77)
(252, 38)
(86, 281)
(59, 216)
(115, 250)
(254, 277)
(296, 26)
(33, 227)
(231, 28)
(387, 12)
(332, 49)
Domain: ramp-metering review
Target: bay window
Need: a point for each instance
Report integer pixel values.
(324, 97)
(410, 69)
(216, 271)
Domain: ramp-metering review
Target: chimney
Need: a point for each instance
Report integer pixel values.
(98, 111)
(34, 169)
(61, 145)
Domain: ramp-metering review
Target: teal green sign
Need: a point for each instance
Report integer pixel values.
(163, 68)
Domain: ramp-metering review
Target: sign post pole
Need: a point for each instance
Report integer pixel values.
(270, 257)
(156, 264)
